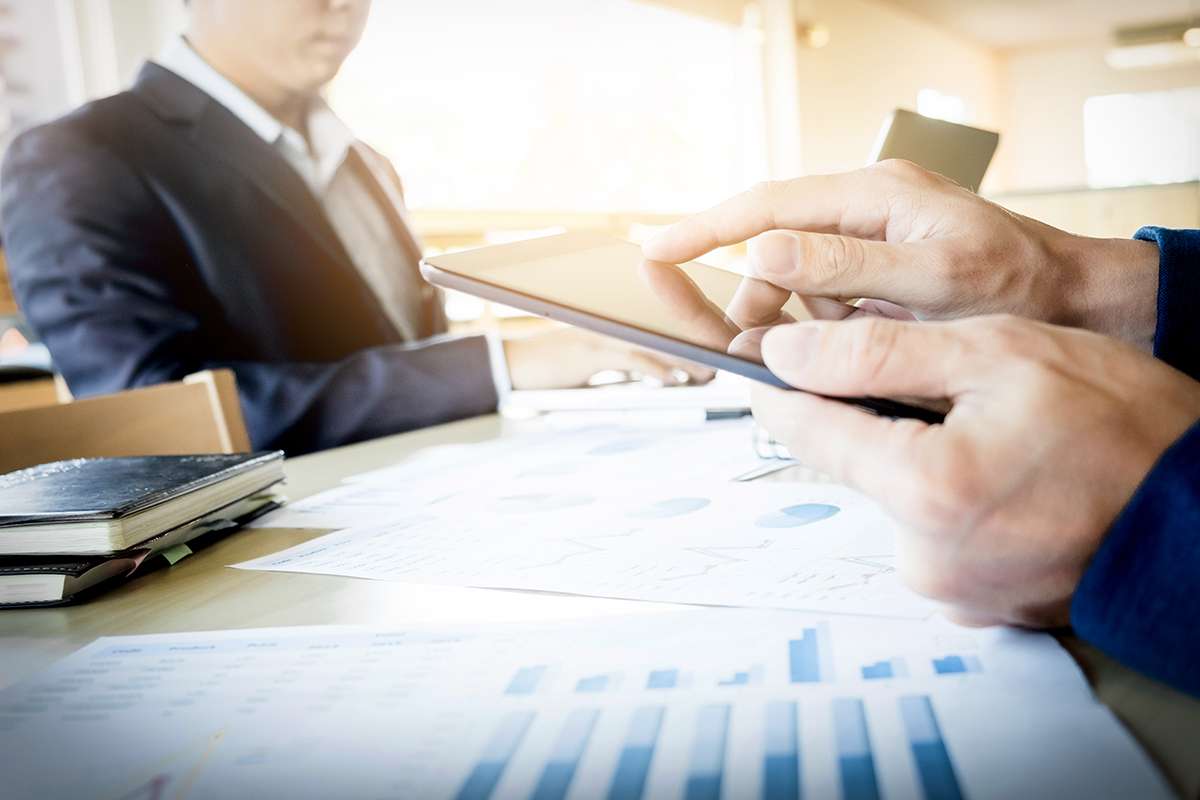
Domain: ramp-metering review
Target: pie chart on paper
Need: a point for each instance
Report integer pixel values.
(675, 507)
(618, 447)
(533, 503)
(797, 515)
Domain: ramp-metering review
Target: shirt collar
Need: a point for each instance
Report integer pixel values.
(329, 138)
(179, 57)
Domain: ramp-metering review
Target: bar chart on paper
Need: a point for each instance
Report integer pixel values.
(662, 679)
(891, 668)
(636, 753)
(768, 658)
(776, 749)
(667, 654)
(470, 714)
(957, 665)
(810, 658)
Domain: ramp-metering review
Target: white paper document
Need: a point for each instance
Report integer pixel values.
(598, 455)
(712, 451)
(725, 391)
(777, 545)
(707, 704)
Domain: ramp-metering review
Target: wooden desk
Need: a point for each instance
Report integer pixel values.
(8, 303)
(201, 593)
(27, 394)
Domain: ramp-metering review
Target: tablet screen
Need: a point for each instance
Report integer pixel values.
(610, 288)
(609, 278)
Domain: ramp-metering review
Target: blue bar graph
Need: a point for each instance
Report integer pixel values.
(564, 759)
(526, 680)
(592, 683)
(929, 749)
(880, 669)
(892, 668)
(633, 765)
(781, 761)
(956, 665)
(809, 657)
(707, 766)
(855, 761)
(663, 679)
(495, 757)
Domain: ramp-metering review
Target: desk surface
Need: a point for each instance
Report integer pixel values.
(201, 593)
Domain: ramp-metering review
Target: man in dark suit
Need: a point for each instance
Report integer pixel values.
(218, 214)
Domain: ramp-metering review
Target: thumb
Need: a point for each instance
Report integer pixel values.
(869, 356)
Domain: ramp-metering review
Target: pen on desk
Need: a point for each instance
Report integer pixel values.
(714, 414)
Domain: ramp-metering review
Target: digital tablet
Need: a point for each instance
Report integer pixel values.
(604, 285)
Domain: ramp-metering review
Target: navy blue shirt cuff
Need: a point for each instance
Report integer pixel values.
(1177, 335)
(1139, 599)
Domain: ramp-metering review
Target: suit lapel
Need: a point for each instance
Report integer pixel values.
(223, 137)
(218, 134)
(389, 199)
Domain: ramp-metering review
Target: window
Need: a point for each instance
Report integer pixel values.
(557, 105)
(1152, 137)
(932, 103)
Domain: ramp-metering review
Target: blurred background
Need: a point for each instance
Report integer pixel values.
(506, 119)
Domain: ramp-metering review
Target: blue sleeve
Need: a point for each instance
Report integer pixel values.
(1177, 336)
(1139, 600)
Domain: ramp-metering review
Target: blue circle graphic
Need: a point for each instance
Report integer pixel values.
(795, 516)
(675, 507)
(618, 447)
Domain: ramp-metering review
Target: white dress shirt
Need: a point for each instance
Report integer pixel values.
(350, 206)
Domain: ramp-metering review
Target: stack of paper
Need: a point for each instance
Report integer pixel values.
(859, 690)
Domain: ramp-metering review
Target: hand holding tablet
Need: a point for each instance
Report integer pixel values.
(605, 285)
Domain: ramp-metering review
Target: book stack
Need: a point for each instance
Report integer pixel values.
(72, 528)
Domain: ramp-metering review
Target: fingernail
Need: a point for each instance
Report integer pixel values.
(791, 345)
(655, 244)
(748, 344)
(772, 254)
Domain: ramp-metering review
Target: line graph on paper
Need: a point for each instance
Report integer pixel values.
(712, 553)
(163, 784)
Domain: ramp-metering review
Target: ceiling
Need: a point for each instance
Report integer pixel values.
(1020, 23)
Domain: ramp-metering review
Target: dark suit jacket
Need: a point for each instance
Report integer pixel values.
(1137, 600)
(152, 234)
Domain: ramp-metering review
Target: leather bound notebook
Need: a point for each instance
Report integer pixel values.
(37, 581)
(101, 506)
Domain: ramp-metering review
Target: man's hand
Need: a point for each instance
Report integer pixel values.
(897, 233)
(565, 358)
(1050, 433)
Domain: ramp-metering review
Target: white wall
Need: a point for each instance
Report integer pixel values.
(877, 59)
(1043, 94)
(66, 52)
(140, 27)
(42, 70)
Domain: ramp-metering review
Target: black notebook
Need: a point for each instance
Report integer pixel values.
(99, 506)
(32, 581)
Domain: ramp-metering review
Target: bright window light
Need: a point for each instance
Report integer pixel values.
(1151, 137)
(932, 103)
(557, 105)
